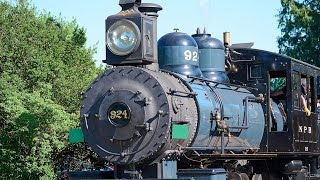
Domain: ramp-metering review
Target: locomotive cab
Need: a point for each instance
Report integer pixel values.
(289, 127)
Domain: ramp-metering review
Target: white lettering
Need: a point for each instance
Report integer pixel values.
(305, 128)
(195, 56)
(309, 130)
(188, 55)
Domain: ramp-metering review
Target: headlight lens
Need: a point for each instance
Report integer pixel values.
(123, 37)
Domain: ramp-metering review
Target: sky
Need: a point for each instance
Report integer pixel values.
(246, 20)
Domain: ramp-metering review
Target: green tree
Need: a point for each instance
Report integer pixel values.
(44, 68)
(300, 27)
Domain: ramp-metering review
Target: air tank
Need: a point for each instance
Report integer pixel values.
(178, 52)
(211, 57)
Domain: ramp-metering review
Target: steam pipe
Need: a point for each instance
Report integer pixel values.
(226, 42)
(246, 104)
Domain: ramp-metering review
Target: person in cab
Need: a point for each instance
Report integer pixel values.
(303, 101)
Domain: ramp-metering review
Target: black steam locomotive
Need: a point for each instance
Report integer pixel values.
(194, 107)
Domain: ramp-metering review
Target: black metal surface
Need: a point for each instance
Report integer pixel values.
(242, 45)
(202, 171)
(146, 50)
(76, 175)
(239, 156)
(318, 87)
(150, 9)
(145, 98)
(255, 68)
(293, 167)
(121, 2)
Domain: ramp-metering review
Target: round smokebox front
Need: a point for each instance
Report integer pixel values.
(124, 115)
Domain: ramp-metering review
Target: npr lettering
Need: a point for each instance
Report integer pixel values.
(305, 129)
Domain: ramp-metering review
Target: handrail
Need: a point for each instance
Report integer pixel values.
(218, 83)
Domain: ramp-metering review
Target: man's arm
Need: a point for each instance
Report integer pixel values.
(304, 105)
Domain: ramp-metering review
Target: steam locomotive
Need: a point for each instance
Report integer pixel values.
(194, 107)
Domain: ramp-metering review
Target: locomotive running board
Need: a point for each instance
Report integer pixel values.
(266, 156)
(238, 156)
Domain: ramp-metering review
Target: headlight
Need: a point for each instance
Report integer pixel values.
(123, 37)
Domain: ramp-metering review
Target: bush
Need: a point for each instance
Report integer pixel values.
(44, 68)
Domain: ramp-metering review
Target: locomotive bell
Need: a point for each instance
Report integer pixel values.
(131, 34)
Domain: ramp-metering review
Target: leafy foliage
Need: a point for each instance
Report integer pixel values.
(300, 28)
(44, 68)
